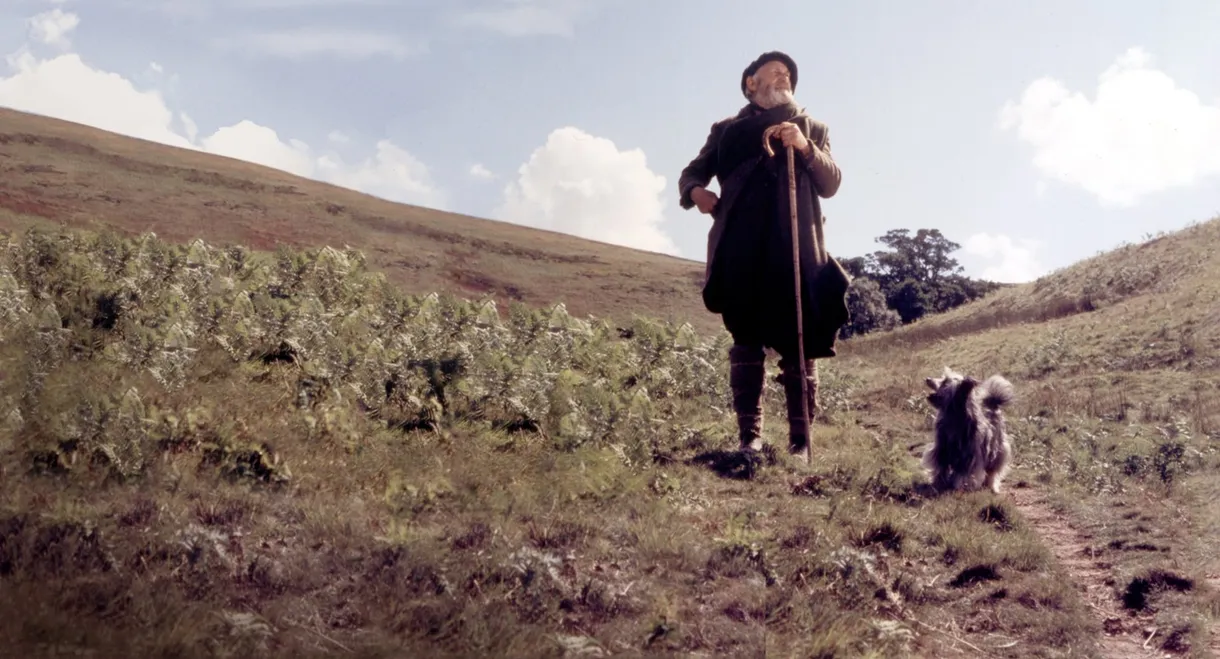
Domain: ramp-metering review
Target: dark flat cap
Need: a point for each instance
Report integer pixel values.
(763, 59)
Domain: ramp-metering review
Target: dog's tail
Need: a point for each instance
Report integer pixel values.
(996, 391)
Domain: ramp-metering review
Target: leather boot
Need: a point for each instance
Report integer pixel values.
(747, 376)
(798, 431)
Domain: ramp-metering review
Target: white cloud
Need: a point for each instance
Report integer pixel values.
(251, 142)
(52, 27)
(189, 127)
(1009, 262)
(1139, 135)
(583, 185)
(478, 171)
(301, 43)
(338, 137)
(523, 18)
(391, 173)
(66, 87)
(155, 67)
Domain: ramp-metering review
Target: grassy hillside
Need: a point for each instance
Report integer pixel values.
(54, 172)
(1169, 279)
(1116, 361)
(208, 454)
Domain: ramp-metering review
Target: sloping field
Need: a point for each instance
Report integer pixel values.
(1116, 361)
(212, 455)
(53, 171)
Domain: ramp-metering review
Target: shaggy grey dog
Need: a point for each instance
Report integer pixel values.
(971, 450)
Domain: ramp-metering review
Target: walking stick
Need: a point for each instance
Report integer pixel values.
(803, 452)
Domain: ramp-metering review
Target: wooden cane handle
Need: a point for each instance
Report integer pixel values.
(768, 134)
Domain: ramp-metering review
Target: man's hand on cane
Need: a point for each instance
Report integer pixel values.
(790, 134)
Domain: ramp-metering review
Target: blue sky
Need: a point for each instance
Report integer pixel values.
(1033, 133)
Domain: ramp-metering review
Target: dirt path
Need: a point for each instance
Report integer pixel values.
(1213, 644)
(1070, 547)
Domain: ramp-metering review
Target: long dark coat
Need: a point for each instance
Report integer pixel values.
(749, 278)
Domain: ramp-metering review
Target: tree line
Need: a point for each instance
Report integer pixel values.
(915, 276)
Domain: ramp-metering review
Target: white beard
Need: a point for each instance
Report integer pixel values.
(770, 97)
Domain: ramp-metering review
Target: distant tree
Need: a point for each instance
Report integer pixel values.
(867, 309)
(924, 257)
(911, 299)
(957, 290)
(918, 275)
(856, 266)
(977, 288)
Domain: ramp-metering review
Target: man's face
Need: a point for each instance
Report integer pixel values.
(771, 84)
(774, 75)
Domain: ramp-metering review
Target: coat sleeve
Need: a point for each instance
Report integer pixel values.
(826, 173)
(700, 170)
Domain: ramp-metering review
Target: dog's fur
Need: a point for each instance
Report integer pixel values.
(971, 448)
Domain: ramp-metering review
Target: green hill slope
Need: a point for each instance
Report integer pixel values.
(1178, 271)
(1116, 363)
(206, 454)
(53, 171)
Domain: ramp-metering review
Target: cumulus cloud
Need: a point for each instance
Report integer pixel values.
(189, 126)
(391, 173)
(478, 171)
(1140, 133)
(66, 87)
(305, 42)
(584, 185)
(246, 140)
(1007, 260)
(52, 27)
(524, 18)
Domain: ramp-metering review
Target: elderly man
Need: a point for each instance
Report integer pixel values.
(749, 279)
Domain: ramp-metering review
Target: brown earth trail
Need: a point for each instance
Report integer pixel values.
(1071, 549)
(1213, 581)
